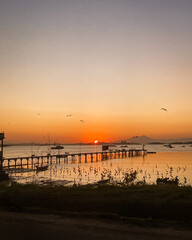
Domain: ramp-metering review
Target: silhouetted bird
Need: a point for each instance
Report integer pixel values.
(164, 109)
(38, 114)
(81, 121)
(69, 115)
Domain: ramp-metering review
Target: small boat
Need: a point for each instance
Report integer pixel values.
(41, 168)
(168, 145)
(57, 147)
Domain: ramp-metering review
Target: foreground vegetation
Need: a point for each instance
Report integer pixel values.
(163, 202)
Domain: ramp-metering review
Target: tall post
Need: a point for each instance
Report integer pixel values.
(2, 136)
(143, 149)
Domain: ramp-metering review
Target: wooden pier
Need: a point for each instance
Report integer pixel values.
(32, 161)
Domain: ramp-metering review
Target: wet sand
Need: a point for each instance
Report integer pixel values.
(22, 226)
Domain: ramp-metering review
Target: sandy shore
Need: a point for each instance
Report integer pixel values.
(23, 226)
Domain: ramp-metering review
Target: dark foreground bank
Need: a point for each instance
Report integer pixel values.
(96, 212)
(170, 203)
(25, 226)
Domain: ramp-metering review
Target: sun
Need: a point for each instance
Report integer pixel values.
(96, 141)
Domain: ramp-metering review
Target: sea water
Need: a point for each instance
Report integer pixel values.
(167, 162)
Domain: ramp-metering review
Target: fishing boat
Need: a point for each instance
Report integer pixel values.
(41, 168)
(57, 147)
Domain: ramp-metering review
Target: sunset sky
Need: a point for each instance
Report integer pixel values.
(112, 63)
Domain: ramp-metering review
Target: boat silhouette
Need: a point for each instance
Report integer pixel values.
(57, 147)
(168, 145)
(41, 168)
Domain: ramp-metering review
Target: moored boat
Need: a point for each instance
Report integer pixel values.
(41, 168)
(168, 145)
(57, 147)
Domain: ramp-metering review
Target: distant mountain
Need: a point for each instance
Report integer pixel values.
(146, 140)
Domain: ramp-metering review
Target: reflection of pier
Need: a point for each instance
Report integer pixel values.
(32, 161)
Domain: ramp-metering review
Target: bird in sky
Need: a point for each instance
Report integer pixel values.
(81, 121)
(38, 114)
(69, 115)
(164, 109)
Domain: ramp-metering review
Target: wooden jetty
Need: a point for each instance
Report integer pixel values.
(32, 161)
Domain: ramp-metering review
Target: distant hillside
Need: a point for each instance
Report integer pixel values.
(147, 140)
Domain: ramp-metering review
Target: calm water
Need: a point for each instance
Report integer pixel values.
(167, 162)
(19, 151)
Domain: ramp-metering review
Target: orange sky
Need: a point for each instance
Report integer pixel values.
(27, 126)
(114, 64)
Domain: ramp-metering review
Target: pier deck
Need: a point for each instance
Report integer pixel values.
(32, 161)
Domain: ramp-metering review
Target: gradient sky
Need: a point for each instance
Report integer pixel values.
(112, 63)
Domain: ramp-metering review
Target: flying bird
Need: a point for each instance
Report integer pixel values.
(164, 109)
(38, 114)
(81, 121)
(69, 115)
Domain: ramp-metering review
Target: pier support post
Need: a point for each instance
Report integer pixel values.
(47, 158)
(85, 157)
(79, 158)
(73, 157)
(66, 158)
(27, 159)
